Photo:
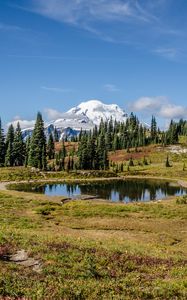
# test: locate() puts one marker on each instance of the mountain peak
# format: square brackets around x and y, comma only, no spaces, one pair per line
[85,116]
[92,102]
[95,110]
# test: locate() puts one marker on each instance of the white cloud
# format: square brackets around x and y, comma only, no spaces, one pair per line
[134,22]
[85,12]
[111,87]
[170,53]
[159,106]
[53,114]
[148,104]
[55,89]
[172,111]
[73,11]
[23,123]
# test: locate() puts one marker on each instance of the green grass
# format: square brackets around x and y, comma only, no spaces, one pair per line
[93,250]
[27,174]
[156,157]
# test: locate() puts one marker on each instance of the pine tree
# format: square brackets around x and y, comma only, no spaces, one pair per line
[64,152]
[167,162]
[37,153]
[9,158]
[51,147]
[18,147]
[153,130]
[101,152]
[27,149]
[108,139]
[56,135]
[115,145]
[44,158]
[121,167]
[131,163]
[83,153]
[145,162]
[2,146]
[68,166]
[173,133]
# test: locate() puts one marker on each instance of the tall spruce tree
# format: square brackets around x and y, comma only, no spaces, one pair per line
[102,152]
[2,146]
[64,152]
[27,150]
[37,153]
[51,147]
[153,130]
[44,158]
[56,135]
[18,147]
[9,158]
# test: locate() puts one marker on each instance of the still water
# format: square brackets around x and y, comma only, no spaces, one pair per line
[128,190]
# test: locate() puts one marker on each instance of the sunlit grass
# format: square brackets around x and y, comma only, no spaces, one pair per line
[116,251]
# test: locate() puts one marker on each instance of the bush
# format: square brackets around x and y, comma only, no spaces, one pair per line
[45,211]
[182,200]
[167,162]
[131,163]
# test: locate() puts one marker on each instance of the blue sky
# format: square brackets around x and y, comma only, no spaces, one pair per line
[55,54]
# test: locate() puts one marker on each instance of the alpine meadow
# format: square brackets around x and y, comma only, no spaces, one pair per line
[93,150]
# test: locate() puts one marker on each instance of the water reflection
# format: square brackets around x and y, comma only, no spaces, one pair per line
[124,191]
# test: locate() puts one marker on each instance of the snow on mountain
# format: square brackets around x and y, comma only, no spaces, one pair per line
[84,116]
[95,110]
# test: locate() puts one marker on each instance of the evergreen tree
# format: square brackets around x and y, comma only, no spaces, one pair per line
[167,162]
[56,135]
[44,158]
[108,140]
[153,130]
[121,167]
[37,153]
[51,147]
[131,163]
[173,133]
[64,152]
[145,162]
[2,146]
[116,143]
[83,153]
[72,163]
[9,158]
[68,166]
[27,149]
[18,147]
[101,152]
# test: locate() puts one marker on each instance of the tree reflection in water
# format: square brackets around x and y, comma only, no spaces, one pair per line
[125,191]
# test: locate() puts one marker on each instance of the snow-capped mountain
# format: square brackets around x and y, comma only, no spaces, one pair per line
[84,116]
[95,110]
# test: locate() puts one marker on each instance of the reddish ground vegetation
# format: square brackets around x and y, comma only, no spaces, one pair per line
[69,146]
[4,251]
[123,155]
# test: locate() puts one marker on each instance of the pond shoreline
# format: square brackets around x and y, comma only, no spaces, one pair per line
[4,185]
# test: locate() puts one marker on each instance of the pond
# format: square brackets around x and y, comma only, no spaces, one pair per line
[127,190]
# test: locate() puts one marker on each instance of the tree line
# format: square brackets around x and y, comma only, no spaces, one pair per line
[93,146]
[112,135]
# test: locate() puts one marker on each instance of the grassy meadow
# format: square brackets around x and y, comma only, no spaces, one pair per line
[95,249]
